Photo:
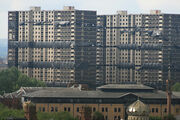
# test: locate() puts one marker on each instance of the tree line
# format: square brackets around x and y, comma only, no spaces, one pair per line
[12,79]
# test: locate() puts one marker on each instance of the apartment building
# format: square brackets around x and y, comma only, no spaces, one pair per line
[142,48]
[76,46]
[101,50]
[53,45]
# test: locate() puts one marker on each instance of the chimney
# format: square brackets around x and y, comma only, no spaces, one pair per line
[155,12]
[34,8]
[68,8]
[122,12]
[168,92]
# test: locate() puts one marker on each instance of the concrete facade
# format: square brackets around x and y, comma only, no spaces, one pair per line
[140,48]
[101,50]
[77,46]
[53,46]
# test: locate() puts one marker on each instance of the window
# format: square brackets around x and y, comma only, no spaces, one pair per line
[69,109]
[165,110]
[119,109]
[106,118]
[94,109]
[115,117]
[77,109]
[157,110]
[52,109]
[102,109]
[152,110]
[115,109]
[106,109]
[119,117]
[43,109]
[65,109]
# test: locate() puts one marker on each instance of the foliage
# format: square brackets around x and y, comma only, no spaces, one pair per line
[87,112]
[176,87]
[98,116]
[169,117]
[155,118]
[5,112]
[12,79]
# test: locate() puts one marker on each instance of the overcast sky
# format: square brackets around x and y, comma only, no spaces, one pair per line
[102,7]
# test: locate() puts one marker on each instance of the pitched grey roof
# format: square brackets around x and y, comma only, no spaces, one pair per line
[177,94]
[67,93]
[76,93]
[60,92]
[125,86]
[24,90]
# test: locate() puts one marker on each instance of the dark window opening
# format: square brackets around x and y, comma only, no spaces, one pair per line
[115,109]
[52,109]
[152,110]
[119,109]
[65,109]
[94,109]
[157,110]
[43,109]
[102,109]
[77,109]
[69,109]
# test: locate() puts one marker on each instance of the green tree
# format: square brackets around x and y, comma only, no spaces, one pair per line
[12,79]
[176,87]
[5,112]
[87,112]
[155,118]
[169,117]
[98,116]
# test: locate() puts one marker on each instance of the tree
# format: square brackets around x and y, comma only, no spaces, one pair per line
[87,112]
[5,113]
[12,79]
[169,117]
[7,79]
[98,116]
[155,118]
[176,87]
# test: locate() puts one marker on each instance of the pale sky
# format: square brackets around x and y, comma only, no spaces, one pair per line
[102,7]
